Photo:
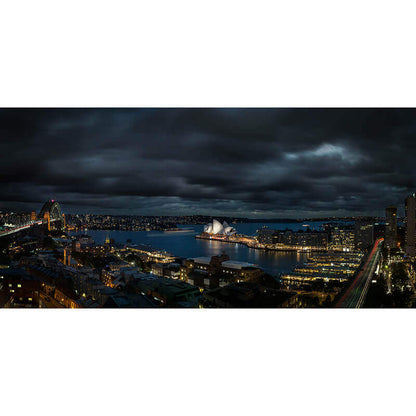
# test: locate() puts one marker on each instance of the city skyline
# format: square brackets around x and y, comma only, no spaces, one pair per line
[250,163]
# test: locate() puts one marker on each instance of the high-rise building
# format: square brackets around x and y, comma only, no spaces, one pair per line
[410,207]
[342,238]
[391,227]
[364,234]
[266,236]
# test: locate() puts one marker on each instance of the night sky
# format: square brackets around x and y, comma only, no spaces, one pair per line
[257,163]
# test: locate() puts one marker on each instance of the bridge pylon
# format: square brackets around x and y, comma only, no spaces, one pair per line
[47,217]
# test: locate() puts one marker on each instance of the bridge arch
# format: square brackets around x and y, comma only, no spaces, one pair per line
[53,208]
[52,214]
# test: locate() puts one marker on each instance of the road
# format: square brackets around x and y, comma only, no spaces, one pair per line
[23,227]
[20,228]
[355,295]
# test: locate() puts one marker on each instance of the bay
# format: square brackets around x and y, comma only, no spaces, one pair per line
[184,244]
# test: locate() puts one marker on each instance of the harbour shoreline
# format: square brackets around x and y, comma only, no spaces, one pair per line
[257,247]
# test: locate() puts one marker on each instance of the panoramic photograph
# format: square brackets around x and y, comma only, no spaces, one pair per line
[207,208]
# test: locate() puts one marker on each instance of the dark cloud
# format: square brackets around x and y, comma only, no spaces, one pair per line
[247,162]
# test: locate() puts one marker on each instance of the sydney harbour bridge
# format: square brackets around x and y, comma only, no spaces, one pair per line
[50,216]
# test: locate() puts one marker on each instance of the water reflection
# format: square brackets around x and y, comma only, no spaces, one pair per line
[185,245]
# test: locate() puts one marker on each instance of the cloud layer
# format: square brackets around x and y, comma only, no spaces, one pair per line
[243,162]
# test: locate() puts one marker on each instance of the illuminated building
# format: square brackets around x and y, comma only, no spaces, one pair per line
[217,228]
[290,240]
[22,288]
[335,257]
[303,240]
[67,298]
[342,238]
[76,246]
[108,276]
[364,235]
[171,270]
[410,210]
[157,269]
[391,227]
[329,268]
[203,280]
[152,254]
[218,268]
[67,257]
[266,236]
[96,251]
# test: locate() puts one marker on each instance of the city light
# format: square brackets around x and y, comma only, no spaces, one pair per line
[229,228]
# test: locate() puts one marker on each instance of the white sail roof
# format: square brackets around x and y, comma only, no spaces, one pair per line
[217,228]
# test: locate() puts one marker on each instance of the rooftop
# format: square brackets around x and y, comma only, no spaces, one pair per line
[202,260]
[234,264]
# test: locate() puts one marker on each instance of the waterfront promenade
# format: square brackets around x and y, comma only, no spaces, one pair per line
[252,242]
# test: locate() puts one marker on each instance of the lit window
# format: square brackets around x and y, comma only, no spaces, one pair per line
[19,285]
[10,285]
[30,299]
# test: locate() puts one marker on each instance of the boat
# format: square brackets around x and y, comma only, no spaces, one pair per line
[178,230]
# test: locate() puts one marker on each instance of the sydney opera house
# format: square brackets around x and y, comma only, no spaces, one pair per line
[219,229]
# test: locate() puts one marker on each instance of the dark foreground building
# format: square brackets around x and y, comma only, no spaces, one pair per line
[391,227]
[410,209]
[364,235]
[20,288]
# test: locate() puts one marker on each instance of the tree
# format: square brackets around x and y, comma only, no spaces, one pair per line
[327,302]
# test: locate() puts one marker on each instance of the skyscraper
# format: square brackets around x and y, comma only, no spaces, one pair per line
[342,238]
[391,227]
[410,207]
[364,234]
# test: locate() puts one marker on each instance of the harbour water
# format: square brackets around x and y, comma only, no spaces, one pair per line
[184,244]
